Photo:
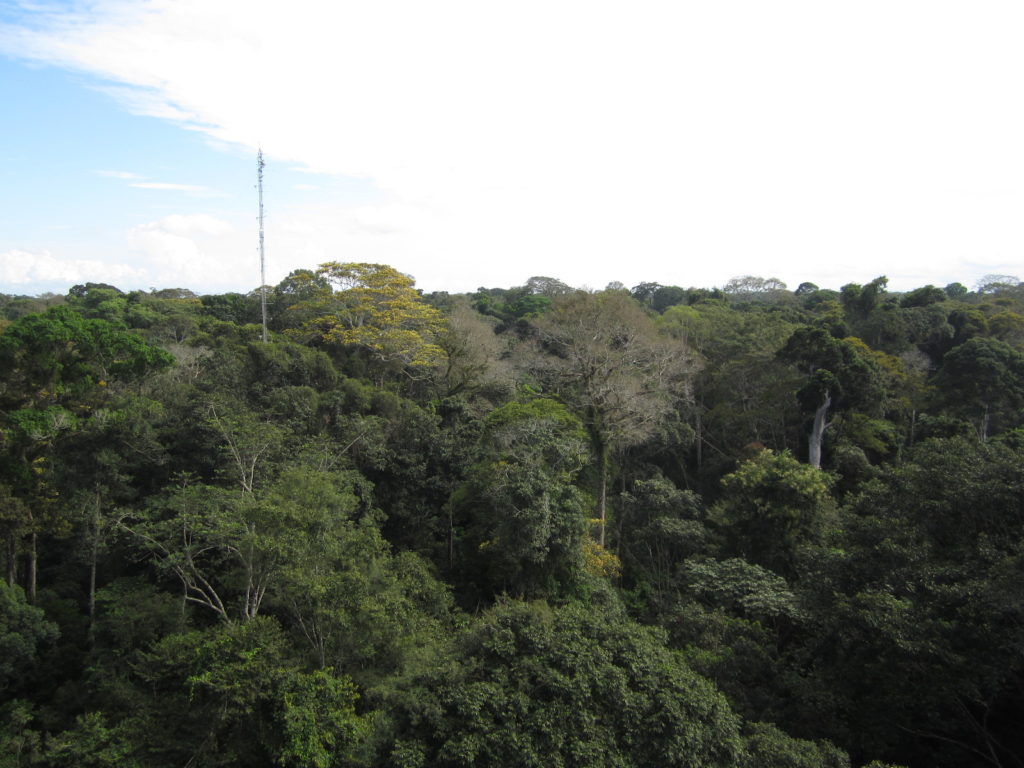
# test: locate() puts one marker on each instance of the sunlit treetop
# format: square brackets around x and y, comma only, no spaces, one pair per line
[377,308]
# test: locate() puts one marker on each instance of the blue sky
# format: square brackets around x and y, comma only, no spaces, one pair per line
[79,171]
[477,143]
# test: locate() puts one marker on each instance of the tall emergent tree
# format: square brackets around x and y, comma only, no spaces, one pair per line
[376,308]
[604,357]
[838,374]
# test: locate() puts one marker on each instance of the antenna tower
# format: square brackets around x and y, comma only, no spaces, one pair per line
[263,271]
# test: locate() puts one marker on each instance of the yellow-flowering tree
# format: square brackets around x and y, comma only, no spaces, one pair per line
[376,307]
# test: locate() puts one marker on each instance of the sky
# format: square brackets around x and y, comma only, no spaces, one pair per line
[477,143]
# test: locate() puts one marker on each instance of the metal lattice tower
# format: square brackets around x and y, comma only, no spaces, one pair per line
[263,270]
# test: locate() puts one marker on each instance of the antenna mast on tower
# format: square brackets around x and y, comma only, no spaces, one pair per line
[263,271]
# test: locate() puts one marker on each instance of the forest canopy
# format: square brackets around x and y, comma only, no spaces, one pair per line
[526,526]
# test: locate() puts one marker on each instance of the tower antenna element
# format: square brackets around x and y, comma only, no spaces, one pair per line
[263,270]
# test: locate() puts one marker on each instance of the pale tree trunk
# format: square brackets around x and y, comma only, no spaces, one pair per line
[818,432]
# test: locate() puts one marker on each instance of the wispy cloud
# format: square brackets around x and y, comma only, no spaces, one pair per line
[191,189]
[139,182]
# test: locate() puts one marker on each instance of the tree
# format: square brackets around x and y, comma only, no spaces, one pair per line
[376,308]
[838,375]
[751,288]
[23,628]
[547,286]
[805,289]
[666,296]
[742,393]
[956,290]
[528,686]
[225,548]
[526,518]
[58,355]
[233,695]
[60,371]
[771,747]
[922,297]
[358,606]
[666,526]
[603,356]
[859,301]
[918,611]
[772,506]
[985,378]
[473,353]
[997,283]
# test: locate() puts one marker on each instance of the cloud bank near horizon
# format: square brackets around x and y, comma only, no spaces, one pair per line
[679,142]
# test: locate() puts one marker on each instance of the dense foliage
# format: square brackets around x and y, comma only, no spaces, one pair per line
[532,526]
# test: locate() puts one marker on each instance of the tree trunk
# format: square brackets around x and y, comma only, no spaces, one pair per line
[700,439]
[94,555]
[451,538]
[12,560]
[818,432]
[602,492]
[92,586]
[32,559]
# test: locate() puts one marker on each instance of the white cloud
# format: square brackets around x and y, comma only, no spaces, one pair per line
[19,267]
[193,224]
[125,175]
[679,142]
[191,250]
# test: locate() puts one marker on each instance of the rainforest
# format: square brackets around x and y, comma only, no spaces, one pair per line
[531,526]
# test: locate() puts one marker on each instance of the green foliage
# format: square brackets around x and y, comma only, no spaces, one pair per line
[772,748]
[840,368]
[772,507]
[59,358]
[231,551]
[92,743]
[357,607]
[20,743]
[318,719]
[922,297]
[666,526]
[531,685]
[741,588]
[984,378]
[23,628]
[919,612]
[231,696]
[525,517]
